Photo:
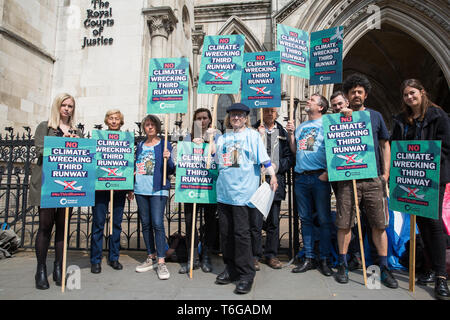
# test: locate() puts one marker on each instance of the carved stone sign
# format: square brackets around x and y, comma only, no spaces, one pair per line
[98,17]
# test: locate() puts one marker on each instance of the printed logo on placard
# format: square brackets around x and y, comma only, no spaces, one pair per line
[261,103]
[166,105]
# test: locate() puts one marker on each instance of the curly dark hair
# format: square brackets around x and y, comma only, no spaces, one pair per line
[356,80]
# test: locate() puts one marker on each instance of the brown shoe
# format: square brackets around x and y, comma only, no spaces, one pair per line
[257,268]
[274,263]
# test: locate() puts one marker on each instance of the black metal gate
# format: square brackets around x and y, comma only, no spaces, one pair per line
[17,156]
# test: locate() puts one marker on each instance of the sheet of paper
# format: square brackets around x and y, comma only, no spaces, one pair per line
[262,199]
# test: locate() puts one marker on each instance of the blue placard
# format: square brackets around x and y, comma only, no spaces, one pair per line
[294,47]
[221,64]
[261,80]
[68,172]
[168,85]
[326,56]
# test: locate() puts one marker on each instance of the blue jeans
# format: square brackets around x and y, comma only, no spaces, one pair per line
[151,214]
[98,224]
[312,193]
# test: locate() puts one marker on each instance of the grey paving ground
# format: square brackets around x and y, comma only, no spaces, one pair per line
[17,282]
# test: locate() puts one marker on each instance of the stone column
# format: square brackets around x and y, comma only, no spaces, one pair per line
[197,41]
[161,22]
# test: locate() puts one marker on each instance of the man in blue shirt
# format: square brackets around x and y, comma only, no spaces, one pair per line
[312,189]
[371,192]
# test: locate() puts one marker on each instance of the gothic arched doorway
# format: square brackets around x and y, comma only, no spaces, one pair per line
[387,57]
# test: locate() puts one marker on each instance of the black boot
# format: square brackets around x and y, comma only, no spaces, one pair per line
[57,273]
[206,261]
[441,291]
[185,268]
[41,277]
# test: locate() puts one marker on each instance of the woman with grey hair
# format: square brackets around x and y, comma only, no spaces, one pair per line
[114,120]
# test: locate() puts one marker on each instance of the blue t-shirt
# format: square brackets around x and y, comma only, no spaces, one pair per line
[310,145]
[145,166]
[239,156]
[379,132]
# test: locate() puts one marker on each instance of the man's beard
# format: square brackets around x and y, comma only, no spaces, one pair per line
[356,104]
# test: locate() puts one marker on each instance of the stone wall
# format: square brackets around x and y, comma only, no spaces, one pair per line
[27,44]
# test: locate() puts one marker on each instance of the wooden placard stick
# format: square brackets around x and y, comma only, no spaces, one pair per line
[291,99]
[412,253]
[166,130]
[361,244]
[111,212]
[263,177]
[194,217]
[66,224]
[213,126]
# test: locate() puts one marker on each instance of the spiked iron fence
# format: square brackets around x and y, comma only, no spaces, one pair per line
[17,157]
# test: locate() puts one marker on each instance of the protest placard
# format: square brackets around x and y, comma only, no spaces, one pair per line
[349,146]
[221,64]
[114,160]
[350,155]
[168,85]
[261,80]
[167,91]
[326,56]
[414,186]
[68,179]
[194,182]
[293,45]
[68,172]
[414,177]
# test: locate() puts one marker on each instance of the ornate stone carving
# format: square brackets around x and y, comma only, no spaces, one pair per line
[161,21]
[225,10]
[287,11]
[197,39]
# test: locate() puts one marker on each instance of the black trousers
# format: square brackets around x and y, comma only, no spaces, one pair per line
[236,243]
[272,227]
[209,235]
[433,235]
[256,224]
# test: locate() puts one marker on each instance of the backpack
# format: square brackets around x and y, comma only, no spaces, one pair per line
[177,251]
[9,242]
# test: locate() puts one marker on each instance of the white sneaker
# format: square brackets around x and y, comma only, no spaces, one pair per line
[148,265]
[163,272]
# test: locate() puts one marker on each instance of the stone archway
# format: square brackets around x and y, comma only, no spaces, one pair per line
[424,27]
[234,25]
[389,56]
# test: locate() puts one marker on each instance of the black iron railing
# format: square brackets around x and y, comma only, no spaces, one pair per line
[17,156]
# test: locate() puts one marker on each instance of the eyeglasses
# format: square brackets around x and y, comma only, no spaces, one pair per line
[237,115]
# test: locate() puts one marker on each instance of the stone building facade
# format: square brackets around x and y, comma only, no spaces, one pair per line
[99,51]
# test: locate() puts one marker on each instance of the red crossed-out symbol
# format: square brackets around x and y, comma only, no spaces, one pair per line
[112,171]
[261,90]
[219,75]
[69,185]
[412,192]
[350,158]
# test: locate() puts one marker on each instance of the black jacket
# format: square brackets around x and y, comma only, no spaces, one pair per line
[286,160]
[436,126]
